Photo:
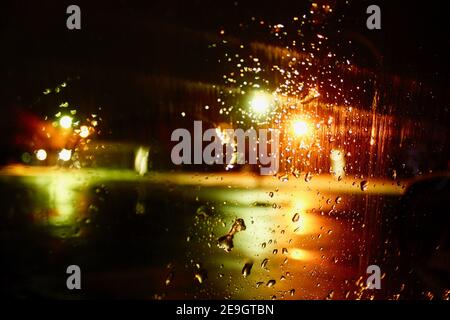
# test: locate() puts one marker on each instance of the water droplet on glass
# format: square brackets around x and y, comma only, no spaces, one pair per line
[169,278]
[247,269]
[364,185]
[264,263]
[238,225]
[296,173]
[330,295]
[202,212]
[200,276]
[226,242]
[308,177]
[296,217]
[271,283]
[292,292]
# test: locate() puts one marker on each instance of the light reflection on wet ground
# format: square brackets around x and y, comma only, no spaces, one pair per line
[129,233]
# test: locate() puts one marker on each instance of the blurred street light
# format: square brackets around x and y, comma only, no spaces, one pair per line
[300,128]
[65,122]
[41,154]
[65,155]
[261,102]
[84,131]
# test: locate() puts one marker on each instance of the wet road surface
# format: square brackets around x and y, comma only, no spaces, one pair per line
[156,237]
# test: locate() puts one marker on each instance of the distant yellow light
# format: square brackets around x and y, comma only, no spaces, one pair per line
[84,131]
[65,122]
[141,160]
[300,127]
[65,155]
[41,154]
[301,254]
[261,102]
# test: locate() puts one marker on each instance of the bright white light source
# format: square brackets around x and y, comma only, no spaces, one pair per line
[65,155]
[41,154]
[261,102]
[65,122]
[300,127]
[84,131]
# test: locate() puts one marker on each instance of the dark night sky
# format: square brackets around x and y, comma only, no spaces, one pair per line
[414,39]
[120,39]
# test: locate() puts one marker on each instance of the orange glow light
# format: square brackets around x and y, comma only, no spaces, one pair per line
[300,128]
